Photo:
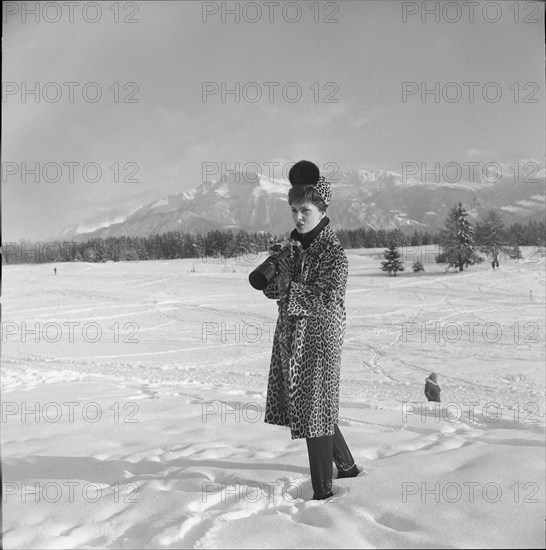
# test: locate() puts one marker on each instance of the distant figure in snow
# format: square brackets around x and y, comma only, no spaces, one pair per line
[55,270]
[493,264]
[432,389]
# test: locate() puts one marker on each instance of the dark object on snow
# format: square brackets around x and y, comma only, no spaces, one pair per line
[432,389]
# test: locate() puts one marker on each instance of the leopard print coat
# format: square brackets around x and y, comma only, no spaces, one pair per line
[303,385]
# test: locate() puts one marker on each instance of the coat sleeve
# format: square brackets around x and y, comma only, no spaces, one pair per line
[306,299]
[272,290]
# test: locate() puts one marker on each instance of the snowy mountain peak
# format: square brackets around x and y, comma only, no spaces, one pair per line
[368,176]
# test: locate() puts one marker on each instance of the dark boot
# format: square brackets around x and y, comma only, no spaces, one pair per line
[343,458]
[320,451]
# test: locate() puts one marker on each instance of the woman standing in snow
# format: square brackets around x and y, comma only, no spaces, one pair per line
[303,385]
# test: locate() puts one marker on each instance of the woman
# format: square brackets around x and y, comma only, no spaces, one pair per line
[303,386]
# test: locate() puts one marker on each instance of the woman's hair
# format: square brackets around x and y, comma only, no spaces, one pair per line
[304,173]
[299,194]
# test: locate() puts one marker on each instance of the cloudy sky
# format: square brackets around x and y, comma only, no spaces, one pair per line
[154,128]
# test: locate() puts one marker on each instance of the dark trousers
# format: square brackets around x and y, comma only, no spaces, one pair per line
[322,452]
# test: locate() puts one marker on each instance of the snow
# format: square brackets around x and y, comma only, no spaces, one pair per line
[367,176]
[222,191]
[90,227]
[161,202]
[179,456]
[515,209]
[271,185]
[531,204]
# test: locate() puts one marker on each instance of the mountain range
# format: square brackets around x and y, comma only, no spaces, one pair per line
[378,199]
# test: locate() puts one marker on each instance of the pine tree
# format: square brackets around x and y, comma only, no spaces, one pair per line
[458,239]
[518,243]
[491,235]
[391,264]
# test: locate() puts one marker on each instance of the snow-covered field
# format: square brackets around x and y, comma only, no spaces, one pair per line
[133,416]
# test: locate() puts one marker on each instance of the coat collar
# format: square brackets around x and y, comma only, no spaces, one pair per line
[307,238]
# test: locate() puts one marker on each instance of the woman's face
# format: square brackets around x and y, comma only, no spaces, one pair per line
[306,216]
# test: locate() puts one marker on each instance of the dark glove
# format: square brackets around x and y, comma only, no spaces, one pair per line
[283,277]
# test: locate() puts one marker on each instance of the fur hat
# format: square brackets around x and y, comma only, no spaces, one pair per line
[324,189]
[304,173]
[307,173]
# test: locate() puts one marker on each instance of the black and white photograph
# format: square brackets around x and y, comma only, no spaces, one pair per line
[273,274]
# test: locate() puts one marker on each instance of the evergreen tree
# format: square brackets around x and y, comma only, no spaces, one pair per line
[491,235]
[391,264]
[415,238]
[200,245]
[96,250]
[417,266]
[458,239]
[518,243]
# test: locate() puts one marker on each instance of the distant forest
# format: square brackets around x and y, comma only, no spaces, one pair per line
[227,244]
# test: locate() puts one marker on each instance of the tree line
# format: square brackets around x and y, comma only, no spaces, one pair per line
[458,240]
[463,245]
